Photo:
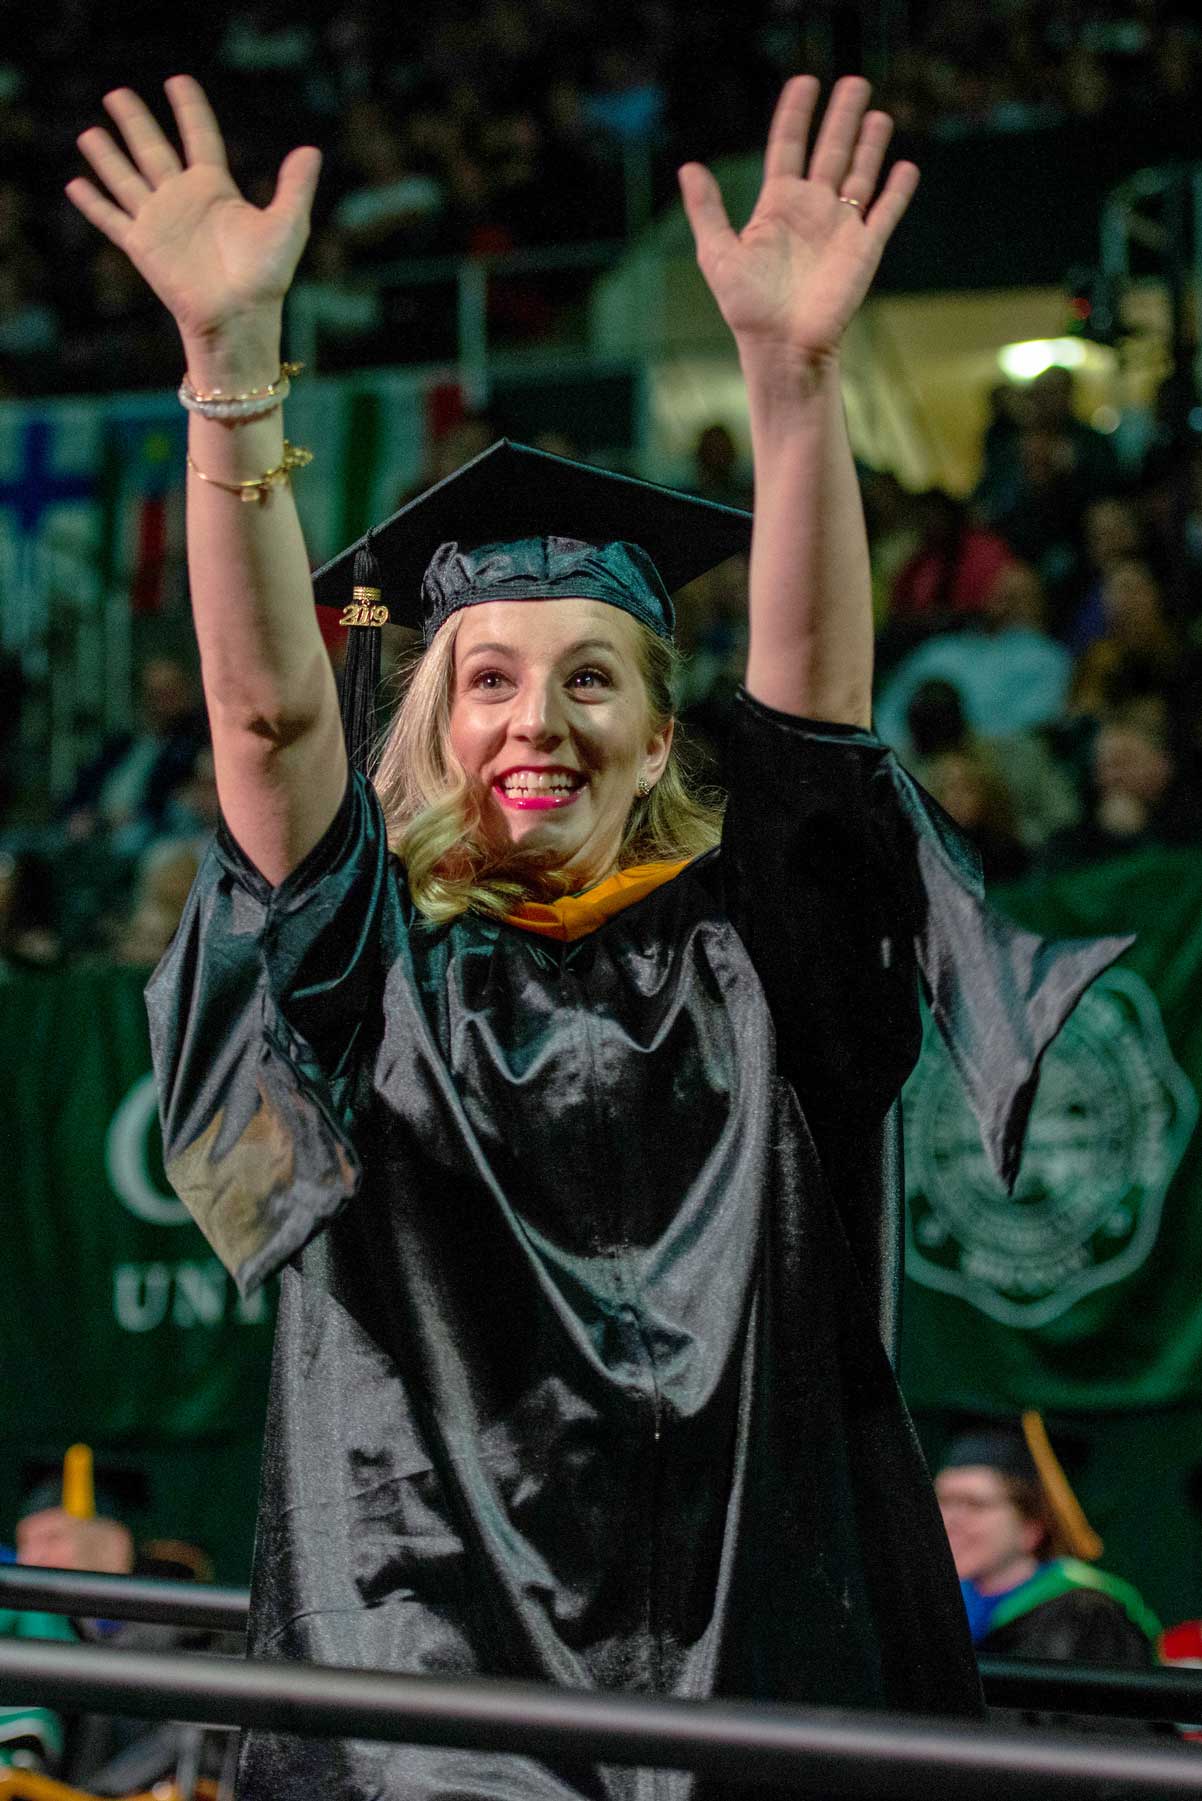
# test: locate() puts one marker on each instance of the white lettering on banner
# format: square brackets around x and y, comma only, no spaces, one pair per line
[125,1159]
[140,1292]
[148,1295]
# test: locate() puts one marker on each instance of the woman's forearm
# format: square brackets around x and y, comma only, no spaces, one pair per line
[810,649]
[249,574]
[222,268]
[267,678]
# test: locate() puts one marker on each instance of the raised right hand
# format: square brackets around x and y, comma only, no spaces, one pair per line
[216,261]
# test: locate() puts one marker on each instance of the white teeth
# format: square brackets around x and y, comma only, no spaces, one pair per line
[531,781]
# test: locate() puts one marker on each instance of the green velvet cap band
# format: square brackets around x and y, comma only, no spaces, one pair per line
[551,568]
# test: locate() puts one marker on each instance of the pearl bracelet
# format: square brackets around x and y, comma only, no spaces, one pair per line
[250,405]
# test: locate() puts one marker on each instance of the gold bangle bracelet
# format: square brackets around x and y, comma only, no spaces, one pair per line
[258,487]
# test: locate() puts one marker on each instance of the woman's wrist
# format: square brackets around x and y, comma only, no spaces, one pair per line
[786,368]
[239,359]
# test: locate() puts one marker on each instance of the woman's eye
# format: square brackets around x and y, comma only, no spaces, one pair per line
[488,679]
[591,678]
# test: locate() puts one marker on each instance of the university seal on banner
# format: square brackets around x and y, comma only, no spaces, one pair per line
[1112,1117]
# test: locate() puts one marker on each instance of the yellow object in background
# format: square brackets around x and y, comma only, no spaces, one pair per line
[79,1487]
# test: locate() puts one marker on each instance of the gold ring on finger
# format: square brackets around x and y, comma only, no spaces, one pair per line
[846,200]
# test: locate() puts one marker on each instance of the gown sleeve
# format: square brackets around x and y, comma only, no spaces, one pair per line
[818,885]
[848,883]
[844,877]
[255,1012]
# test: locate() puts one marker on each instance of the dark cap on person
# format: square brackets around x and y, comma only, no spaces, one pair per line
[119,1489]
[996,1447]
[519,524]
[1022,1449]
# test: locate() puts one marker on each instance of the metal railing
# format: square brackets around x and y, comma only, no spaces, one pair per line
[766,1746]
[1042,1687]
[85,1594]
[808,1750]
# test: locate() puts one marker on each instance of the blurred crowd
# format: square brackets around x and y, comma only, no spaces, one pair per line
[475,128]
[1039,643]
[1039,669]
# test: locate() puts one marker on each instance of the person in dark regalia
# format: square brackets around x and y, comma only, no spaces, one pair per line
[565,1113]
[1027,1559]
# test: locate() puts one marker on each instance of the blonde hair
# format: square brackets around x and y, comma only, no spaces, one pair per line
[434,813]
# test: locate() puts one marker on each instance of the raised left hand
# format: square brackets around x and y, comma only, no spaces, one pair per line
[794,277]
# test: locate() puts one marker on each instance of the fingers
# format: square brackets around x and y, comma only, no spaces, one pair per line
[100,212]
[839,133]
[145,141]
[130,182]
[705,210]
[887,211]
[199,131]
[860,181]
[790,129]
[296,184]
[114,168]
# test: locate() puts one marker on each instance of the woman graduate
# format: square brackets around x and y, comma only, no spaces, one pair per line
[558,1118]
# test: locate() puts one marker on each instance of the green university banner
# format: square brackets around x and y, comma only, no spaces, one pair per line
[1081,1291]
[118,1321]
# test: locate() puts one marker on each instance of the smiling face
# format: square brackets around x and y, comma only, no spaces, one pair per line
[549,713]
[993,1544]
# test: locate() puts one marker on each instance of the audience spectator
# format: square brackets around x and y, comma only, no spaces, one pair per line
[1041,793]
[1009,414]
[388,198]
[972,790]
[107,1754]
[167,867]
[1010,674]
[123,792]
[889,514]
[50,1538]
[717,472]
[1026,1558]
[946,580]
[1112,534]
[1139,648]
[1039,482]
[1143,791]
[160,893]
[1052,402]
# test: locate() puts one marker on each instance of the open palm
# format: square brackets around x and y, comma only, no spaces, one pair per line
[797,272]
[208,254]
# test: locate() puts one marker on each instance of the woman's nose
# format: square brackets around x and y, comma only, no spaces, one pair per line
[538,716]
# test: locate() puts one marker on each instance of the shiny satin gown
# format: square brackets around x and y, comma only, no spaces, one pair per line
[577,1376]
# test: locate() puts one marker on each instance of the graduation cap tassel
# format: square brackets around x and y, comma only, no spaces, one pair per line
[361,671]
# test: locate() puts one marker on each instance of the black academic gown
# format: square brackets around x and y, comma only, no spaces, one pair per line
[576,1376]
[1084,1626]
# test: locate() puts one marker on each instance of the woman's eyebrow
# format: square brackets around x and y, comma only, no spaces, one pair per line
[573,650]
[502,650]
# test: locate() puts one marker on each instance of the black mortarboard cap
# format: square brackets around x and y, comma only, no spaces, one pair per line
[119,1489]
[522,524]
[994,1446]
[1022,1448]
